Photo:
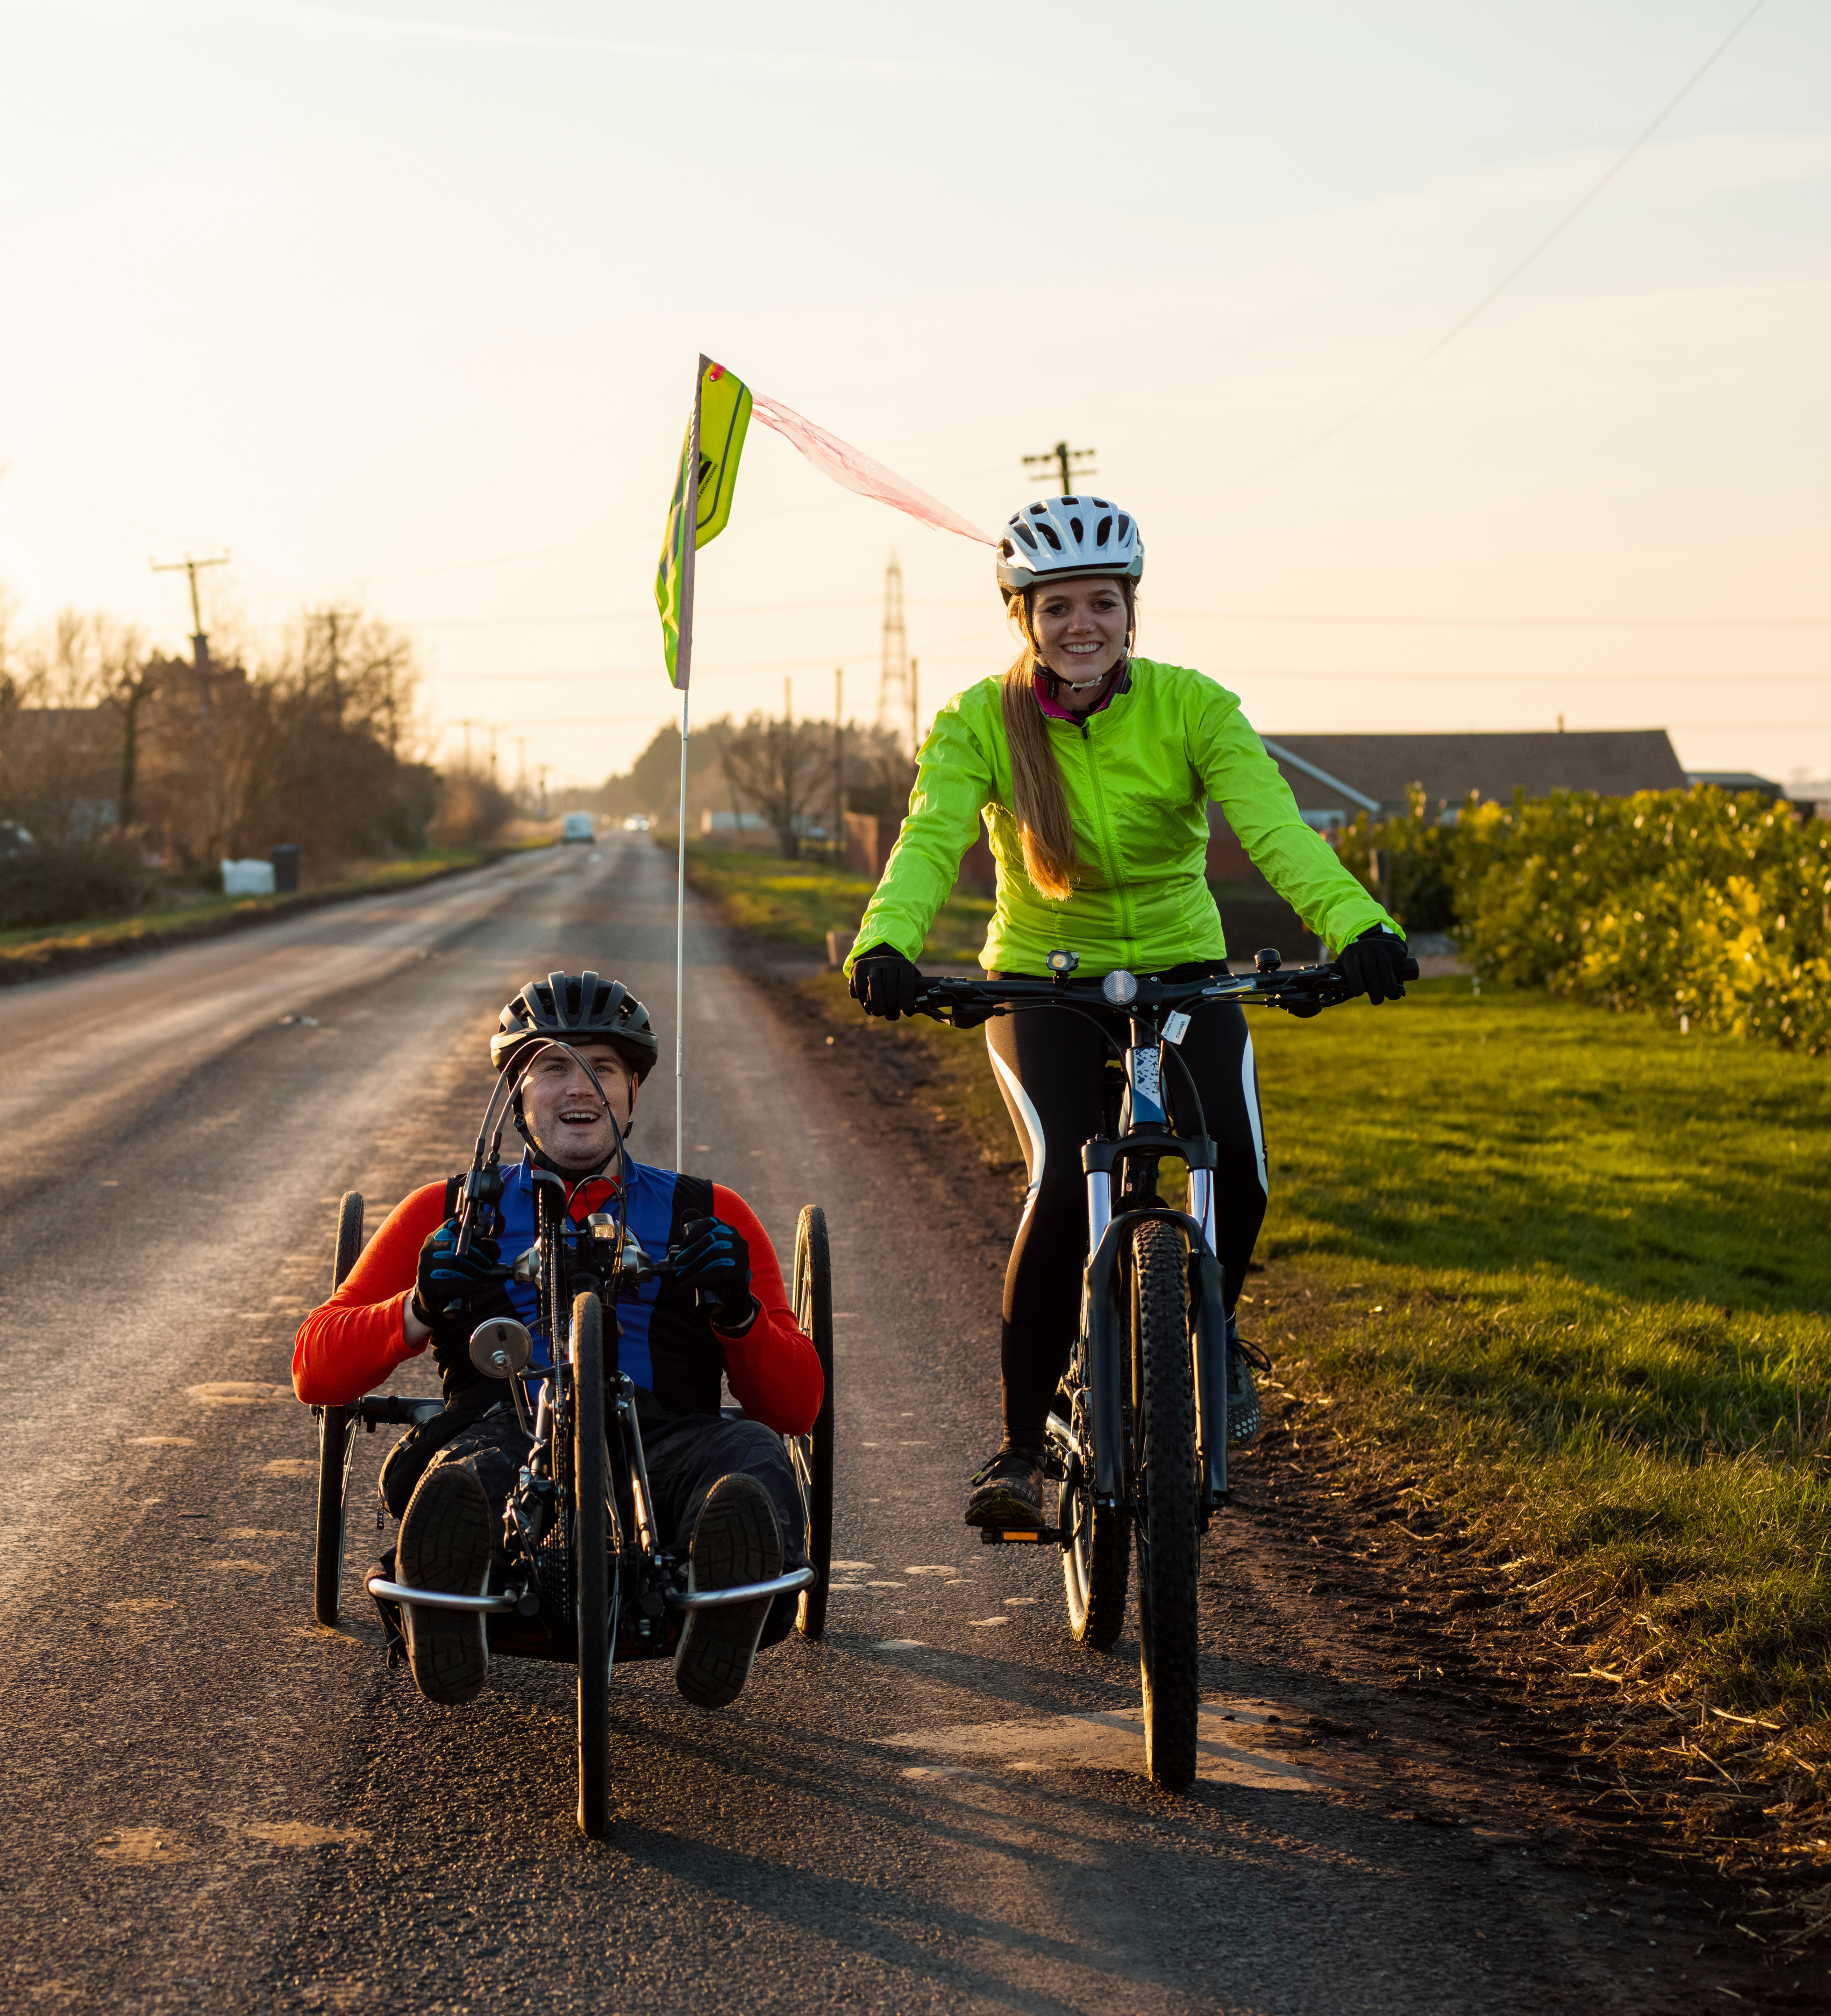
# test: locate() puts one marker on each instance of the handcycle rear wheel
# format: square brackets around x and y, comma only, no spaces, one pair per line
[811,1454]
[591,1545]
[1096,1559]
[1168,1529]
[336,1441]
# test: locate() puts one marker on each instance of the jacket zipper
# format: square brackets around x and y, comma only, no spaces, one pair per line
[1109,847]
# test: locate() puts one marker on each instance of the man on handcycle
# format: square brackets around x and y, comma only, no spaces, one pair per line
[724,1492]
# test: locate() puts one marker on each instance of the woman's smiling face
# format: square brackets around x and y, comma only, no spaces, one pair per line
[1079,629]
[565,1115]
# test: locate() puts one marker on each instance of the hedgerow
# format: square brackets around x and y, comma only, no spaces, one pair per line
[1702,907]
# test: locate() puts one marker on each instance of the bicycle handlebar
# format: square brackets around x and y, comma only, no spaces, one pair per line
[1302,989]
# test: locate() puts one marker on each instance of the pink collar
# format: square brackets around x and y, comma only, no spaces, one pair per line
[1056,711]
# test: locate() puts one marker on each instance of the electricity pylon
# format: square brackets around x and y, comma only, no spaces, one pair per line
[893,683]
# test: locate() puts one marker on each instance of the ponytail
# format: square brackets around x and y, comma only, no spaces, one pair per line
[1041,802]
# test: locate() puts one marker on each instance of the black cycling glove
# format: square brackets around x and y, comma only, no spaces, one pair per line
[450,1288]
[1375,964]
[884,983]
[713,1258]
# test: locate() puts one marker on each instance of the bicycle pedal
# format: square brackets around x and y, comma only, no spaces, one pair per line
[1020,1536]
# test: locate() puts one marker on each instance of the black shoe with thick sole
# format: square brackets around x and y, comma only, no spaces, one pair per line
[736,1540]
[1007,1491]
[1243,1418]
[444,1545]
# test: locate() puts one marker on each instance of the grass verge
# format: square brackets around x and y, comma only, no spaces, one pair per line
[1572,1274]
[32,954]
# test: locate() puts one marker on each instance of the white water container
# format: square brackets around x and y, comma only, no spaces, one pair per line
[247,878]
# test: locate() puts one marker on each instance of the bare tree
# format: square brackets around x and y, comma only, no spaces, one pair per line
[783,769]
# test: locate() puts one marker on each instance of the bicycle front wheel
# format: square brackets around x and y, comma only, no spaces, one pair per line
[1168,1525]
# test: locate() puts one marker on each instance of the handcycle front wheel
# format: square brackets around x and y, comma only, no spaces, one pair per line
[1168,1524]
[336,1441]
[811,1454]
[592,1577]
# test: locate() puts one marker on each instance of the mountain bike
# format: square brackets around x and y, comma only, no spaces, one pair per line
[1138,1440]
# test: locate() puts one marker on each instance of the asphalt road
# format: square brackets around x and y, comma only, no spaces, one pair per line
[209,1803]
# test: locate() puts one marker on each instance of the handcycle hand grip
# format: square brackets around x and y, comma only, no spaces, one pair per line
[1411,971]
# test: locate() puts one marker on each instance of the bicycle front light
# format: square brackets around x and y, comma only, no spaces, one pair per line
[1120,987]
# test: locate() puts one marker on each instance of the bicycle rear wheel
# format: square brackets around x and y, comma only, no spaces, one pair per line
[590,1541]
[1096,1558]
[811,1454]
[1169,1535]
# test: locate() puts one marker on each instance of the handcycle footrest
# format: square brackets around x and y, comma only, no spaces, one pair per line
[1022,1536]
[438,1598]
[746,1591]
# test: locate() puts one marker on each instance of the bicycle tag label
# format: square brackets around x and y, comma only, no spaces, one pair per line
[1175,1027]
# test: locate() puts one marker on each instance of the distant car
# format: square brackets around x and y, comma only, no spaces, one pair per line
[579,825]
[636,822]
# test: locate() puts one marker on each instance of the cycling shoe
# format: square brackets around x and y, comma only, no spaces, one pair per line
[444,1545]
[736,1540]
[1007,1491]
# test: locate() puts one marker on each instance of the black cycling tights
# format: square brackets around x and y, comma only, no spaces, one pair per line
[1048,1063]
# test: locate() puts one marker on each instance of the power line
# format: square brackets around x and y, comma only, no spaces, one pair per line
[1493,293]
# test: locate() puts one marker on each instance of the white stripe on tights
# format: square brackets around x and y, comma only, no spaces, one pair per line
[1032,1125]
[1250,1085]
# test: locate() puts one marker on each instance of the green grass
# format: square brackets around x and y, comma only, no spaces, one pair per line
[1580,1267]
[800,902]
[1571,1272]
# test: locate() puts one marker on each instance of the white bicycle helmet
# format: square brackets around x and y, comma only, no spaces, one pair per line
[1066,538]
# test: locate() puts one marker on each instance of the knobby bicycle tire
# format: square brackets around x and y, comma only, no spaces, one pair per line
[590,1541]
[337,1443]
[1096,1563]
[813,1452]
[1169,1534]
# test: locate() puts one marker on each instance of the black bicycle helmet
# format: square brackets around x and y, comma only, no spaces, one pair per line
[575,1011]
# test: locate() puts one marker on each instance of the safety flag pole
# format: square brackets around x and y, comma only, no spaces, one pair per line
[682,672]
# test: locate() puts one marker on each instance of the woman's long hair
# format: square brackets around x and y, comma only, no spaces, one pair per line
[1041,807]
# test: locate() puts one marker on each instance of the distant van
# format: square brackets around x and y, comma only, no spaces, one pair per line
[579,825]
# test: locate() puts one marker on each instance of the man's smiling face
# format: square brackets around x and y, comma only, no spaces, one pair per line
[565,1115]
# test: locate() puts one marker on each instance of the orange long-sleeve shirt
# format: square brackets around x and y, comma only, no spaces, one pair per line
[349,1346]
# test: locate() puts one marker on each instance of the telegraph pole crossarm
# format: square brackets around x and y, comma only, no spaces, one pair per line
[1064,457]
[199,639]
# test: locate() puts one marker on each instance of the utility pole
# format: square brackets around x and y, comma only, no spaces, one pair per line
[467,726]
[543,771]
[839,768]
[199,641]
[494,732]
[521,768]
[892,678]
[914,714]
[1062,455]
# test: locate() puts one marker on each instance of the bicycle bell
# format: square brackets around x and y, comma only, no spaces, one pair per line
[501,1347]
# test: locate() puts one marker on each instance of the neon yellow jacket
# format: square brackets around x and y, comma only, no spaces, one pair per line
[1138,775]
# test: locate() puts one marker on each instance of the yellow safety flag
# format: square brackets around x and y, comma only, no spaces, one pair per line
[714,441]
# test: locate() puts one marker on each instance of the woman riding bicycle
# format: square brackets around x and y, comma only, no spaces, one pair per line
[1092,769]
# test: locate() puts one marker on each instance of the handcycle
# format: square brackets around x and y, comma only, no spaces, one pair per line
[1137,1441]
[589,1582]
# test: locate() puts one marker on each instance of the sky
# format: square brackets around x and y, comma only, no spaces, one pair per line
[399,305]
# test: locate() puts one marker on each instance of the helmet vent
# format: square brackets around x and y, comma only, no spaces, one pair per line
[1049,532]
[1124,527]
[1074,527]
[1025,534]
[1071,500]
[1103,531]
[1039,510]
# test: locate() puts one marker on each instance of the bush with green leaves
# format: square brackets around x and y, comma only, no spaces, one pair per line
[1701,906]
